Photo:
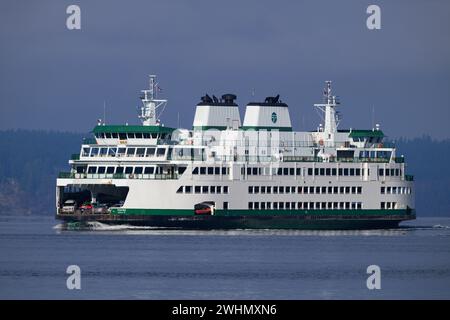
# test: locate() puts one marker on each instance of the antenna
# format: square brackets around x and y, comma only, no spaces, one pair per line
[373,117]
[150,104]
[329,114]
[104,111]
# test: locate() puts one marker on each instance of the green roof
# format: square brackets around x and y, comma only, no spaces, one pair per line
[131,129]
[366,134]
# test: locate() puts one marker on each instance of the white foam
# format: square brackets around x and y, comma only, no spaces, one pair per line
[440,226]
[59,226]
[98,226]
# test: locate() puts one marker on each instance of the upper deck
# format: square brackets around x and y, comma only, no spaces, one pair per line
[218,136]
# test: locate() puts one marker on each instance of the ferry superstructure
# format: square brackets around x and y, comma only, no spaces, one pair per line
[224,173]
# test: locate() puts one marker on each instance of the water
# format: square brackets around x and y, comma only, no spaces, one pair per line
[127,263]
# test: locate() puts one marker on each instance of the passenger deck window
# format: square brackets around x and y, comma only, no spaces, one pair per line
[121,151]
[149,170]
[140,152]
[150,152]
[130,152]
[160,152]
[85,152]
[94,152]
[112,152]
[119,170]
[122,136]
[128,170]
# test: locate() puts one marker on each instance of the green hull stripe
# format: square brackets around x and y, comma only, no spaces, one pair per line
[267,128]
[243,128]
[220,128]
[243,212]
[125,129]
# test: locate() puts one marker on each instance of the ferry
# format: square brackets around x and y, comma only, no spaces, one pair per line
[224,173]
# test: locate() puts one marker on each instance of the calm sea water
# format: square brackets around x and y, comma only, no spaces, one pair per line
[124,263]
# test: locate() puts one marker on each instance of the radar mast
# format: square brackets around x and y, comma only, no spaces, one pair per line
[329,114]
[150,104]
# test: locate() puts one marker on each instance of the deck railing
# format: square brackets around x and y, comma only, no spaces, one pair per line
[333,159]
[72,175]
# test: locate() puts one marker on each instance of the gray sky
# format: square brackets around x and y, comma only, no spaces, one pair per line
[53,78]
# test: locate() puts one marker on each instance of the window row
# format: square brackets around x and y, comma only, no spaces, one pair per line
[131,135]
[395,190]
[304,205]
[203,189]
[260,171]
[125,170]
[388,205]
[123,152]
[211,170]
[257,171]
[374,154]
[304,190]
[389,172]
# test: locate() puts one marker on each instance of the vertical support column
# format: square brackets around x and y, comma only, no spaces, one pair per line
[93,197]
